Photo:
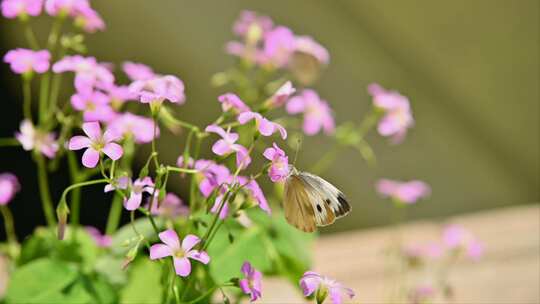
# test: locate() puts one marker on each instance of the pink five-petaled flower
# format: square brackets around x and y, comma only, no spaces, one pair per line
[457,237]
[256,192]
[95,105]
[265,126]
[158,89]
[180,252]
[317,112]
[130,125]
[95,142]
[251,283]
[279,44]
[230,101]
[35,139]
[403,192]
[398,115]
[227,144]
[279,170]
[21,8]
[89,20]
[89,73]
[25,61]
[138,71]
[9,186]
[65,7]
[281,95]
[313,282]
[170,207]
[249,20]
[137,188]
[101,240]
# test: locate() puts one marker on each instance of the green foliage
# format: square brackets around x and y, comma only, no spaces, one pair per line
[144,282]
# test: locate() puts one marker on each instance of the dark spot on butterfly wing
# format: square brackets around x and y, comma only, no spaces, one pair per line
[344,206]
[319,208]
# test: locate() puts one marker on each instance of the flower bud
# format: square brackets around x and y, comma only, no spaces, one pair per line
[62,212]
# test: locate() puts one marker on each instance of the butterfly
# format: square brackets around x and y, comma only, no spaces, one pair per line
[310,201]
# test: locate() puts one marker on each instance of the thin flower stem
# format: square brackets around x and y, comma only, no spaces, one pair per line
[44,191]
[82,184]
[76,195]
[55,32]
[7,142]
[8,224]
[27,98]
[43,94]
[115,213]
[181,170]
[30,36]
[208,293]
[55,90]
[193,181]
[154,152]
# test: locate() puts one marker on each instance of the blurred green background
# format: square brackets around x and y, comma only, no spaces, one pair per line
[470,68]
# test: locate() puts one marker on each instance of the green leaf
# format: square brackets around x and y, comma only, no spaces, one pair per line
[40,281]
[144,283]
[111,268]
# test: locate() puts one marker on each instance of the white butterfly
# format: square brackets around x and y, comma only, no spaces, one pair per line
[310,201]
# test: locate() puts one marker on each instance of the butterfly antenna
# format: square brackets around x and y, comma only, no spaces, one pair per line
[298,145]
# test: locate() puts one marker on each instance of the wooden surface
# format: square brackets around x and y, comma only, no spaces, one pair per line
[509,271]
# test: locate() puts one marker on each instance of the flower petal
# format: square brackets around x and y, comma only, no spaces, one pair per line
[79,142]
[182,266]
[200,256]
[189,241]
[159,251]
[133,202]
[170,237]
[92,129]
[113,150]
[266,127]
[90,158]
[221,147]
[247,116]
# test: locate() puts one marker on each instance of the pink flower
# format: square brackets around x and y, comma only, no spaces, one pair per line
[159,89]
[432,250]
[281,95]
[457,237]
[213,176]
[251,283]
[265,126]
[119,95]
[24,61]
[101,240]
[89,73]
[249,20]
[95,143]
[171,207]
[256,193]
[138,71]
[317,112]
[279,44]
[21,8]
[130,125]
[118,183]
[137,188]
[306,45]
[9,186]
[89,20]
[32,138]
[279,170]
[403,192]
[250,53]
[230,101]
[398,115]
[65,7]
[94,105]
[227,144]
[312,281]
[421,294]
[224,212]
[181,252]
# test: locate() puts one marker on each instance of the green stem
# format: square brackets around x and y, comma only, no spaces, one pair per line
[115,214]
[43,94]
[154,151]
[324,162]
[6,142]
[208,293]
[76,194]
[181,170]
[55,90]
[27,99]
[30,36]
[81,184]
[8,224]
[193,181]
[44,191]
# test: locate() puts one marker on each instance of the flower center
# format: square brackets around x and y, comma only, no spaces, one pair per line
[98,144]
[179,253]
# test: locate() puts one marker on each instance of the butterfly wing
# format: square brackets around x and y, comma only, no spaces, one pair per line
[298,209]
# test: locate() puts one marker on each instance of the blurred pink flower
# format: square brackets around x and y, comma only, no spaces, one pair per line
[212,175]
[171,207]
[421,294]
[89,20]
[279,169]
[21,8]
[121,182]
[137,188]
[307,45]
[224,212]
[230,101]
[255,192]
[281,95]
[94,105]
[265,126]
[250,53]
[9,186]
[130,125]
[35,139]
[65,7]
[227,144]
[95,143]
[312,282]
[251,284]
[101,240]
[279,44]
[431,250]
[89,73]
[24,61]
[317,112]
[158,89]
[398,115]
[250,19]
[457,237]
[138,71]
[181,252]
[403,192]
[119,95]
